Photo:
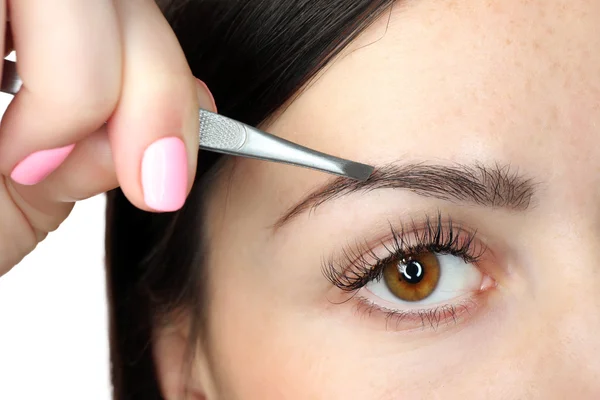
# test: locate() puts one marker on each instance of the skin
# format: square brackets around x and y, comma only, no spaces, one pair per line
[513,82]
[114,82]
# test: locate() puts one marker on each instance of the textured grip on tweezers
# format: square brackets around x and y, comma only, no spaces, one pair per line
[224,135]
[220,133]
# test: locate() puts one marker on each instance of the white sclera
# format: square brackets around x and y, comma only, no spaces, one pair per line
[457,278]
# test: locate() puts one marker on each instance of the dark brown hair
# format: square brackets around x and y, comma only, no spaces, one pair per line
[255,56]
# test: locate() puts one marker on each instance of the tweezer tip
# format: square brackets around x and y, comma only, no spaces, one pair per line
[358,171]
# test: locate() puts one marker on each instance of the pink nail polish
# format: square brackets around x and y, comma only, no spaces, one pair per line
[37,166]
[165,174]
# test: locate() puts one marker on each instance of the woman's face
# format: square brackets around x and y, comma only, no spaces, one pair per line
[469,266]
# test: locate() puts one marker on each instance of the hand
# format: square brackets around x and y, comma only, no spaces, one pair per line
[107,100]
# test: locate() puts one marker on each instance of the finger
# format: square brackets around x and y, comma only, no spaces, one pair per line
[88,171]
[69,58]
[154,131]
[3,29]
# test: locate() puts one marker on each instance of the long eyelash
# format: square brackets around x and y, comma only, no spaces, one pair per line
[359,266]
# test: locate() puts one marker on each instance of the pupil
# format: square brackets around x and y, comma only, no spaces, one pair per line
[413,272]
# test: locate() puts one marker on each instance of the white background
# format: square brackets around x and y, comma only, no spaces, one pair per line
[53,316]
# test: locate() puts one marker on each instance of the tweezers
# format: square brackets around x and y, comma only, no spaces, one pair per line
[228,136]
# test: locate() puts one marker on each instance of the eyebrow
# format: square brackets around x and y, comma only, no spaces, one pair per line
[495,186]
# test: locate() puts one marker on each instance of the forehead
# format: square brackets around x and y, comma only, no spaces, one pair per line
[513,82]
[469,72]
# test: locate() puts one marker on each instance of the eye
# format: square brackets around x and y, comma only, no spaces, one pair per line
[428,274]
[425,278]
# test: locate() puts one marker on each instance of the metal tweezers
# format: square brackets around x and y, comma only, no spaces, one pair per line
[225,135]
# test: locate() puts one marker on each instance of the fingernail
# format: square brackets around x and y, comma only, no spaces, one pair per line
[165,174]
[205,97]
[37,166]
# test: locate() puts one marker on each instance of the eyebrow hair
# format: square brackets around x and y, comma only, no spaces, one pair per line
[495,186]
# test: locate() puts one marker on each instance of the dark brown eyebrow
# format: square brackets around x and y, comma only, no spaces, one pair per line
[493,186]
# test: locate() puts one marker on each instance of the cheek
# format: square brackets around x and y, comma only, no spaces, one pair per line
[265,348]
[263,352]
[262,347]
[254,358]
[271,359]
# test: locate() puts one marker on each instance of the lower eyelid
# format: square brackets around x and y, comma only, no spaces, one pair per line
[407,306]
[436,318]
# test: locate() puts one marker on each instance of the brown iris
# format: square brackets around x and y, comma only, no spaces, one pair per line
[413,278]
